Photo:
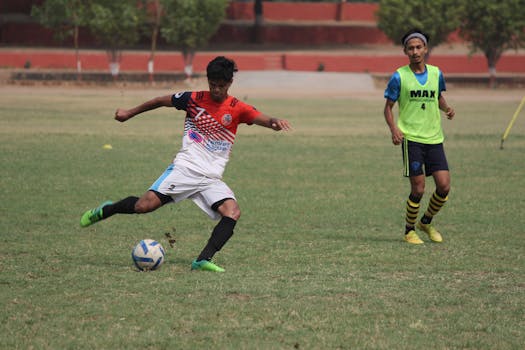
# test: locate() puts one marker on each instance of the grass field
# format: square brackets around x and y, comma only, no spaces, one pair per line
[317,260]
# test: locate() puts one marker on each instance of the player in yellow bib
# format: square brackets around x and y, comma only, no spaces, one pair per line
[417,88]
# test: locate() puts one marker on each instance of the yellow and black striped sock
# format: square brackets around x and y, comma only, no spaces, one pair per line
[436,202]
[412,210]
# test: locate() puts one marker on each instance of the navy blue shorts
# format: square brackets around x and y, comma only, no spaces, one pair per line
[420,158]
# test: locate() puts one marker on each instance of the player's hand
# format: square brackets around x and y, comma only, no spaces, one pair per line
[450,112]
[397,136]
[280,124]
[122,115]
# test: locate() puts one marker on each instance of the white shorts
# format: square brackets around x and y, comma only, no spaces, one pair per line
[182,183]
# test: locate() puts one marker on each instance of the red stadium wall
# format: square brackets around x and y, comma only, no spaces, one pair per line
[288,23]
[306,11]
[304,23]
[302,35]
[299,61]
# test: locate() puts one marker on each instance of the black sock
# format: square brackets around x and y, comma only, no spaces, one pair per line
[437,201]
[414,198]
[426,219]
[412,210]
[124,206]
[220,235]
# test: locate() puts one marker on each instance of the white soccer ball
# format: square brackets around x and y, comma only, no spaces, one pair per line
[148,254]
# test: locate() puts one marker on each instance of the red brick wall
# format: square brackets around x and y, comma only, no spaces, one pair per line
[304,61]
[307,11]
[275,31]
[306,34]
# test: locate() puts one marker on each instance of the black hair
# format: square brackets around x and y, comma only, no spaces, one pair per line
[221,68]
[412,31]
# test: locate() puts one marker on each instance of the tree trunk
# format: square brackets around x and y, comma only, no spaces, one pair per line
[492,77]
[151,68]
[258,24]
[493,57]
[188,55]
[77,53]
[339,14]
[114,56]
[154,36]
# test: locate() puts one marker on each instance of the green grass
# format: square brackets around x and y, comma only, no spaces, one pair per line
[317,260]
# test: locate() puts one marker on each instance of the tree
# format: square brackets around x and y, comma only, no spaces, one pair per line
[154,11]
[116,24]
[437,18]
[190,23]
[493,27]
[65,17]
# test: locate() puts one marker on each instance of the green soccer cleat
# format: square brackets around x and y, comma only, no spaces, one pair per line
[432,233]
[93,215]
[205,265]
[413,238]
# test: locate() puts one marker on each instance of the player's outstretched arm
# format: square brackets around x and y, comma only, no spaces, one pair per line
[272,123]
[124,114]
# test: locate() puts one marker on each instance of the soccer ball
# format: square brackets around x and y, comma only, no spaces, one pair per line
[147,255]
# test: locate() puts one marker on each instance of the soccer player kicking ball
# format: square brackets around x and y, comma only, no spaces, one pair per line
[210,126]
[418,87]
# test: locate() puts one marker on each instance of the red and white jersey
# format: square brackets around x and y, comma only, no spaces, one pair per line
[209,130]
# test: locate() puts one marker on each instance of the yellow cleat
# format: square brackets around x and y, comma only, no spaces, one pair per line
[413,238]
[432,233]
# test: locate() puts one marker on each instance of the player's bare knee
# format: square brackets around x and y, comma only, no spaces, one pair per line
[139,208]
[230,209]
[142,207]
[235,214]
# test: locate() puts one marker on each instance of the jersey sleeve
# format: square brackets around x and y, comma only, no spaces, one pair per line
[393,87]
[247,113]
[180,100]
[442,85]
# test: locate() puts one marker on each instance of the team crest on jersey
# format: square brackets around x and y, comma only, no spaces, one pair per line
[226,119]
[194,136]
